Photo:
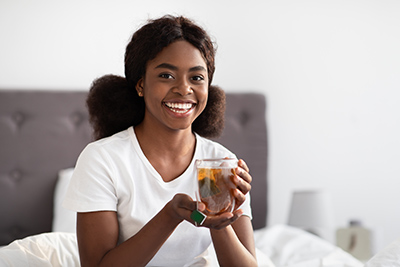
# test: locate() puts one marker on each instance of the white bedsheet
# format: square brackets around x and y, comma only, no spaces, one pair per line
[287,246]
[44,250]
[387,257]
[277,246]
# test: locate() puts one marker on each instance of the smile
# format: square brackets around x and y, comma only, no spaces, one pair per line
[179,107]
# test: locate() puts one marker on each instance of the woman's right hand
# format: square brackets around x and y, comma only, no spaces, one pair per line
[183,205]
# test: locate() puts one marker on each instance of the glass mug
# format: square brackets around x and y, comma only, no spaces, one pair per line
[214,177]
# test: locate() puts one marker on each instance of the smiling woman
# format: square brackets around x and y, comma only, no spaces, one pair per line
[177,77]
[134,188]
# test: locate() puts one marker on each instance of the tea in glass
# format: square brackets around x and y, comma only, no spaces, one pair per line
[214,178]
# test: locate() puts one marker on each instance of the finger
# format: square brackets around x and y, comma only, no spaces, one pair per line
[243,174]
[240,197]
[238,213]
[219,222]
[185,207]
[243,184]
[242,164]
[193,212]
[223,220]
[201,206]
[185,202]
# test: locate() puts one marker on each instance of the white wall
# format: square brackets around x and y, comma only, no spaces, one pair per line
[330,71]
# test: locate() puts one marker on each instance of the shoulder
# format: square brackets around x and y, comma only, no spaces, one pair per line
[116,143]
[118,139]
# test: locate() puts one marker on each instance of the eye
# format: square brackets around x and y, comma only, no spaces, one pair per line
[166,76]
[198,78]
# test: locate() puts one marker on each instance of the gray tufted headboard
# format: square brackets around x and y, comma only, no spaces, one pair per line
[42,132]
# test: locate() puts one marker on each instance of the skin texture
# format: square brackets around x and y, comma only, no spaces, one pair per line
[177,75]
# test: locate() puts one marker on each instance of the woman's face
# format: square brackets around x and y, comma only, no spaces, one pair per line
[175,87]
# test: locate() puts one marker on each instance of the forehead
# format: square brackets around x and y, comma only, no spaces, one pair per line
[181,54]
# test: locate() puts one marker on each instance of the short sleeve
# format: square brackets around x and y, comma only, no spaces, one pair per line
[92,187]
[246,207]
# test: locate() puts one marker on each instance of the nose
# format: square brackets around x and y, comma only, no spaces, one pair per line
[183,87]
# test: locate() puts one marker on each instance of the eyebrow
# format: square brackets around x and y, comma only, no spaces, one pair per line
[172,67]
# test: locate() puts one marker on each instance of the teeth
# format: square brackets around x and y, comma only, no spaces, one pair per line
[179,105]
[179,110]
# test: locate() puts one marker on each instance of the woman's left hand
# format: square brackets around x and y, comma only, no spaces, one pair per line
[242,180]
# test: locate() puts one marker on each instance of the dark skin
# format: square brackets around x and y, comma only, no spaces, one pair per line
[175,90]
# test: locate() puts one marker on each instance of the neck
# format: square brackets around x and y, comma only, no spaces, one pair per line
[165,141]
[167,148]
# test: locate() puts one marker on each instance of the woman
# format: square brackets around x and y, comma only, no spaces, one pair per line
[134,187]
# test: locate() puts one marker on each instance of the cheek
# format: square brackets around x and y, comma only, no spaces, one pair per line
[203,97]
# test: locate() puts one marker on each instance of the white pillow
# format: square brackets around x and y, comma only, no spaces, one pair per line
[43,250]
[64,220]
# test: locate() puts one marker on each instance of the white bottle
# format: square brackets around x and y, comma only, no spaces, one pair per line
[356,240]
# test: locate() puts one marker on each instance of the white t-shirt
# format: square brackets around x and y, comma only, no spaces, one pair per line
[113,174]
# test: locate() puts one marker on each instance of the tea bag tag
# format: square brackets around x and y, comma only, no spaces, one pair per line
[197,216]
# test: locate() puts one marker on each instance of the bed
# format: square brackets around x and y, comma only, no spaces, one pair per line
[41,136]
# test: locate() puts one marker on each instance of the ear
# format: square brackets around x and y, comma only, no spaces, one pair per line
[139,87]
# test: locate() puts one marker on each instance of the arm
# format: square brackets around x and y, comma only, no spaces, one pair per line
[97,234]
[234,244]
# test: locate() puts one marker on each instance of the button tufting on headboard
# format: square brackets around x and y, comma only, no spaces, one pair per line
[77,118]
[15,120]
[41,132]
[18,117]
[16,176]
[243,117]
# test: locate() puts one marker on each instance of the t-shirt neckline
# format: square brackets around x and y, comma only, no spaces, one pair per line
[152,170]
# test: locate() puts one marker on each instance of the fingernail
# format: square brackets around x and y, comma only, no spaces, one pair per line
[238,170]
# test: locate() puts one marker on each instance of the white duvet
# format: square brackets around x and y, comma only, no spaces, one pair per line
[277,246]
[44,250]
[291,247]
[388,257]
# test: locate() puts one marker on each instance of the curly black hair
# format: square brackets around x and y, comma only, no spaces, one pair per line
[114,107]
[113,102]
[149,40]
